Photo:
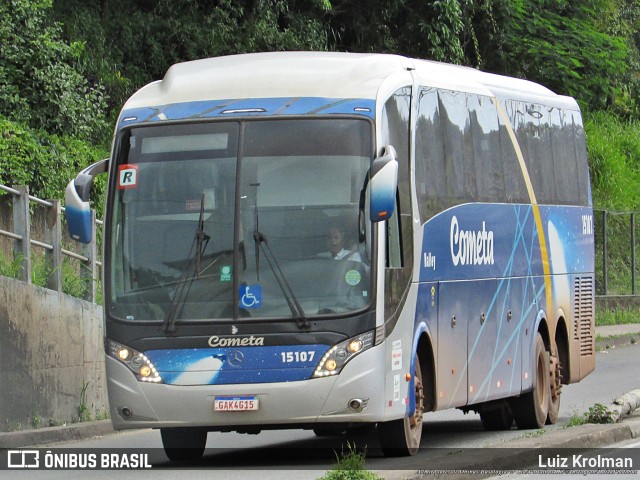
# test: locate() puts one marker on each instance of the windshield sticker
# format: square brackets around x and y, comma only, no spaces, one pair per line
[225,273]
[192,205]
[353,277]
[251,296]
[127,176]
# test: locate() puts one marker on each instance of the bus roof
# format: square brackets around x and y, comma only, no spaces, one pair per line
[321,74]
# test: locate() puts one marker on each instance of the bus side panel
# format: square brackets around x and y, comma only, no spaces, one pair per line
[497,320]
[453,321]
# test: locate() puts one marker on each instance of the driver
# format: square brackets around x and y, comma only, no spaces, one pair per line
[336,246]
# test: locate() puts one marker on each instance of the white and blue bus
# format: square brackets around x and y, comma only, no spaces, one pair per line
[340,242]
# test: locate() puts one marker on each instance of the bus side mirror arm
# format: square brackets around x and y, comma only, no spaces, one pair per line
[76,198]
[383,185]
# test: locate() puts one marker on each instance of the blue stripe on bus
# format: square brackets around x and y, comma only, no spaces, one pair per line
[222,366]
[240,107]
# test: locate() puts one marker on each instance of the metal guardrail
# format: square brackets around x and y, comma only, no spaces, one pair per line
[52,243]
[616,247]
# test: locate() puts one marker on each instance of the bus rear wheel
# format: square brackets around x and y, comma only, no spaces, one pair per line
[400,438]
[183,444]
[530,410]
[555,383]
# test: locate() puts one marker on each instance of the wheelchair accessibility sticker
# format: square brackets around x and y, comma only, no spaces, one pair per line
[251,296]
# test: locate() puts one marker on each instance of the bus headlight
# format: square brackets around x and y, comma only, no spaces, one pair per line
[137,362]
[339,355]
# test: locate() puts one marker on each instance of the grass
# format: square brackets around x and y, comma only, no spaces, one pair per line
[73,283]
[534,433]
[617,316]
[350,466]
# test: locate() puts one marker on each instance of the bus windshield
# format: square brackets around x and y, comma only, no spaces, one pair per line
[259,219]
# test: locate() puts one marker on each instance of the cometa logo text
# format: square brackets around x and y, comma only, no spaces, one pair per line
[251,341]
[470,247]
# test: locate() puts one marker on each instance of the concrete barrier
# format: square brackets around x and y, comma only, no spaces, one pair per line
[51,358]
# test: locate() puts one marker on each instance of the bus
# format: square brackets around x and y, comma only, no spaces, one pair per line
[342,243]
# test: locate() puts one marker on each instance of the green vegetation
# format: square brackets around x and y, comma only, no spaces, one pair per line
[350,466]
[67,66]
[533,433]
[72,282]
[614,156]
[575,420]
[597,413]
[617,316]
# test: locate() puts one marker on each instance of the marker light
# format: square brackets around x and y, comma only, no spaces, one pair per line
[137,362]
[339,355]
[123,354]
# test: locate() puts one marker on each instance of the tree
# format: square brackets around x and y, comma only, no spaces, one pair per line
[558,43]
[38,83]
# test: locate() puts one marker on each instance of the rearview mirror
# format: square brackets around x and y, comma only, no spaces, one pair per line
[76,198]
[383,185]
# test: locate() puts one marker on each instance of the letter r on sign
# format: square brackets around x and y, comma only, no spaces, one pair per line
[127,176]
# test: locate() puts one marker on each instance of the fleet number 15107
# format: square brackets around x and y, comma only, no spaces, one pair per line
[297,357]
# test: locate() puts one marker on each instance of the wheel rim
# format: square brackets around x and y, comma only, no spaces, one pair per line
[540,390]
[542,394]
[414,423]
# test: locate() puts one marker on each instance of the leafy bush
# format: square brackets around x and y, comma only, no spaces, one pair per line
[39,85]
[599,413]
[560,44]
[614,151]
[43,161]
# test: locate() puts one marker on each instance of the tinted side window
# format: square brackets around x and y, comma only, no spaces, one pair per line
[580,145]
[463,153]
[431,173]
[515,187]
[487,161]
[458,153]
[552,148]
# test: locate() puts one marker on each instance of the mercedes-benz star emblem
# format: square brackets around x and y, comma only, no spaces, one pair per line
[235,358]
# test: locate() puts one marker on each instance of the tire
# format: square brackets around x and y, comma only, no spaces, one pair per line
[555,370]
[401,438]
[183,444]
[500,418]
[531,409]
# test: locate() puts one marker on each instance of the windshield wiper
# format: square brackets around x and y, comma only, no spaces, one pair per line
[201,239]
[190,271]
[290,297]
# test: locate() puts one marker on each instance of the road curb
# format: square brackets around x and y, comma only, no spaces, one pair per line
[43,436]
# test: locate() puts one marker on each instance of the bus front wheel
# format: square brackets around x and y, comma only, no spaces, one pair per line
[530,410]
[402,437]
[183,444]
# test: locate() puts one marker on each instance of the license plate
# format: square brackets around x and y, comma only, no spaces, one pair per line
[235,404]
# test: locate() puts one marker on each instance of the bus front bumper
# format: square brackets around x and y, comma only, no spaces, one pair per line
[353,396]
